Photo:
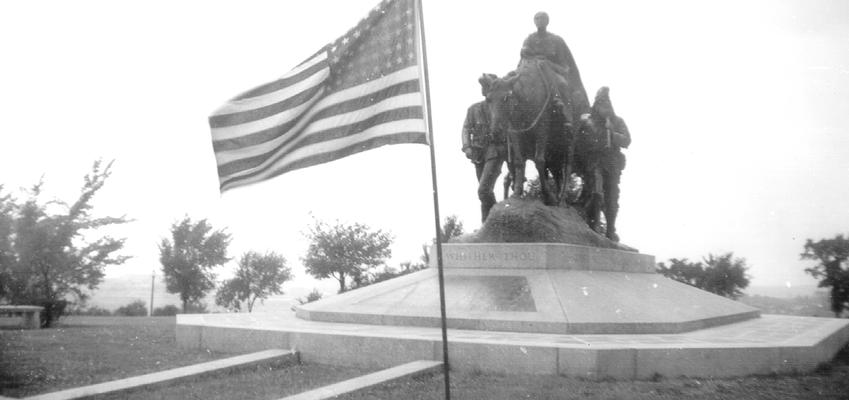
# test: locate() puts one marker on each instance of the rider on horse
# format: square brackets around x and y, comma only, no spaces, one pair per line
[562,68]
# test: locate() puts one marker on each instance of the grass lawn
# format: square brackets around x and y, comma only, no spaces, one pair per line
[246,384]
[86,350]
[829,382]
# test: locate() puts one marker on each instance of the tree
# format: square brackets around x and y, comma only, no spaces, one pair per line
[258,276]
[682,270]
[189,258]
[452,227]
[345,251]
[137,308]
[166,311]
[50,252]
[832,270]
[723,275]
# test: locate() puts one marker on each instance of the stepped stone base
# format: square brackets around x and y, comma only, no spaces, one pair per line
[766,345]
[535,309]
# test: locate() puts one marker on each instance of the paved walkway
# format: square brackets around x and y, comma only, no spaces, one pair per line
[169,375]
[362,382]
[769,330]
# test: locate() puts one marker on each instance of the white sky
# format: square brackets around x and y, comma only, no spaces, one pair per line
[738,112]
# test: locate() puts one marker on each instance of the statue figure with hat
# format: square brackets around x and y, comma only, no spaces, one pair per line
[486,150]
[602,136]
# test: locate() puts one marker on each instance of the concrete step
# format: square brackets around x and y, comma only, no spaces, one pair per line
[376,378]
[156,378]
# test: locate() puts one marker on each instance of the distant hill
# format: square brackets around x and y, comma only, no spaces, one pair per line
[783,292]
[118,291]
[817,305]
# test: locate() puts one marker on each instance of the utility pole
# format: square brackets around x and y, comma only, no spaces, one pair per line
[152,282]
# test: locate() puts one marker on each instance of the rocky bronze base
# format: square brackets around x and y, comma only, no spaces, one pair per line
[530,221]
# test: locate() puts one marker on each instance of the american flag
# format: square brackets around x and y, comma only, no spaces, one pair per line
[357,93]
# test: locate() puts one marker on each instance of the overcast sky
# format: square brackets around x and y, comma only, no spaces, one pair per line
[739,113]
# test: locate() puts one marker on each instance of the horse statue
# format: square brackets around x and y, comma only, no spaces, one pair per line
[524,105]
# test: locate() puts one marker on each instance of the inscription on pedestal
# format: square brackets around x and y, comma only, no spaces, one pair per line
[489,256]
[543,256]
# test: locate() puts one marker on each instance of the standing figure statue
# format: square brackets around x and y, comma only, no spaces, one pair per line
[546,45]
[602,136]
[486,150]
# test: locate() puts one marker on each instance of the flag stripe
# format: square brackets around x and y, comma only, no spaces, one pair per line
[250,162]
[289,116]
[283,158]
[220,121]
[368,99]
[306,68]
[343,121]
[268,99]
[249,128]
[312,157]
[396,138]
[351,105]
[312,125]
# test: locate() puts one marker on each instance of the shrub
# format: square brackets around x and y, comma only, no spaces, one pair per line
[166,311]
[311,297]
[137,308]
[95,311]
[196,308]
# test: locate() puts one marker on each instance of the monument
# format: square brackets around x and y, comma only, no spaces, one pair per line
[544,286]
[540,266]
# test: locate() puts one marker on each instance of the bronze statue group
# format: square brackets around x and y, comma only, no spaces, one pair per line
[541,112]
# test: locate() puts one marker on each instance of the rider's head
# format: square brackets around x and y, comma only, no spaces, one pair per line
[602,104]
[541,20]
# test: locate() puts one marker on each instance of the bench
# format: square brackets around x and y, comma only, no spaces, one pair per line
[31,314]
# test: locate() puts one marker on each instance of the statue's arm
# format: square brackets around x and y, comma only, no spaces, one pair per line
[468,125]
[621,136]
[527,49]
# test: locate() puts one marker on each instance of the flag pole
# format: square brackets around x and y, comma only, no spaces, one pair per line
[422,49]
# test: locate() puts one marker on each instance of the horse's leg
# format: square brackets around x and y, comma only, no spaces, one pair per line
[508,180]
[565,177]
[517,160]
[518,179]
[560,182]
[568,161]
[539,162]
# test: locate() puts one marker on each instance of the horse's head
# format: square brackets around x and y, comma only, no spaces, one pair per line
[500,100]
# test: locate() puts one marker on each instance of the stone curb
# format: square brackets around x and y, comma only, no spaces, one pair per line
[362,382]
[267,356]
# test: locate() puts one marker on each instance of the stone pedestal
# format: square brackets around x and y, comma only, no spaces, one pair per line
[31,315]
[535,288]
